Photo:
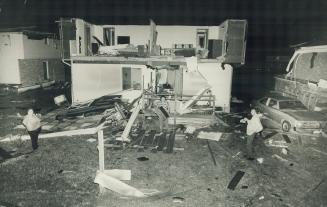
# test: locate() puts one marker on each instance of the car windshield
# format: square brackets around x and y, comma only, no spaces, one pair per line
[291,105]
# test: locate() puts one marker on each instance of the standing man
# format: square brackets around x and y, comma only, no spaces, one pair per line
[32,123]
[163,113]
[254,126]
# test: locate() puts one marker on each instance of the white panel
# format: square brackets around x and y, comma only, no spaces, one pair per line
[213,33]
[11,49]
[91,81]
[220,81]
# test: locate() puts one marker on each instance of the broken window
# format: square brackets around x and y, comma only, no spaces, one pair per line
[273,104]
[263,101]
[123,39]
[202,38]
[109,36]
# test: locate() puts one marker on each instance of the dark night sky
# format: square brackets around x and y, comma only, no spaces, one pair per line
[273,25]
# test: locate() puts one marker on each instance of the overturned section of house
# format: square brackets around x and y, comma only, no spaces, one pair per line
[112,59]
[29,59]
[306,79]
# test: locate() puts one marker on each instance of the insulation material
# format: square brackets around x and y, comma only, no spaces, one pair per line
[311,66]
[91,81]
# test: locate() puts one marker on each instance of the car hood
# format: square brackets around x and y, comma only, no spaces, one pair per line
[304,115]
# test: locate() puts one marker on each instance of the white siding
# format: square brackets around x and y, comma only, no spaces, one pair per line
[11,49]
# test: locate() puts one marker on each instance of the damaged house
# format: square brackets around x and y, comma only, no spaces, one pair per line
[29,59]
[110,59]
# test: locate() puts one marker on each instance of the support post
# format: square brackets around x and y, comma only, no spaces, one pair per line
[101,155]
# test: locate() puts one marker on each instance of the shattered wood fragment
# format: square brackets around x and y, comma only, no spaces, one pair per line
[117,186]
[236,179]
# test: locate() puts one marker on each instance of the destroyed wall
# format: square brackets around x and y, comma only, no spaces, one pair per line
[167,35]
[41,48]
[32,71]
[11,49]
[311,66]
[93,80]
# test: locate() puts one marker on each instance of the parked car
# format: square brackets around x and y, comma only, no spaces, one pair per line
[290,114]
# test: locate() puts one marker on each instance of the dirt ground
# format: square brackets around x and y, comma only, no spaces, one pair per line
[61,172]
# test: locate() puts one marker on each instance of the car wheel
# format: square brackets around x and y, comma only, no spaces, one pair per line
[286,126]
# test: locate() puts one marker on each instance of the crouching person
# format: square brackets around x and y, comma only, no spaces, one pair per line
[32,123]
[254,127]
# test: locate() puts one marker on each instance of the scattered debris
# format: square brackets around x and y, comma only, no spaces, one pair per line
[279,158]
[275,143]
[317,186]
[286,138]
[177,199]
[245,187]
[260,160]
[91,140]
[236,100]
[117,186]
[189,130]
[19,126]
[142,158]
[237,131]
[316,150]
[284,151]
[215,136]
[237,154]
[211,153]
[236,179]
[261,197]
[4,154]
[60,100]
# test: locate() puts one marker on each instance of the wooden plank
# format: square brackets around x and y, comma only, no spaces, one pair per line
[125,135]
[236,179]
[56,134]
[211,153]
[117,186]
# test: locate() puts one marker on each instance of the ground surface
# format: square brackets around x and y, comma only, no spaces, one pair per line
[62,170]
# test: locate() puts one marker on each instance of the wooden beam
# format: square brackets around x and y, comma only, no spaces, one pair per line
[75,132]
[125,134]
